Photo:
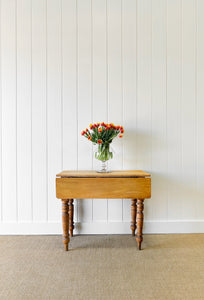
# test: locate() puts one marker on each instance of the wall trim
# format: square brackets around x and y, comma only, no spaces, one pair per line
[150,227]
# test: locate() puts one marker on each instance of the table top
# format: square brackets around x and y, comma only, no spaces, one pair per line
[113,174]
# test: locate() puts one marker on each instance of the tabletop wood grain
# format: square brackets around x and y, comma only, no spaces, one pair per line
[113,174]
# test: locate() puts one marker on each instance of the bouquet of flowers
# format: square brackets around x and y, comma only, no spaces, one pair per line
[103,135]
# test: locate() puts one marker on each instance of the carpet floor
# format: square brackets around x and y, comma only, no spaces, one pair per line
[101,267]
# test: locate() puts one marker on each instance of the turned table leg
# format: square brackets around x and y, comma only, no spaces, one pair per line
[71,213]
[65,223]
[140,207]
[133,215]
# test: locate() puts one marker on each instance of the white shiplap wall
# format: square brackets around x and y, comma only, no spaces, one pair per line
[67,63]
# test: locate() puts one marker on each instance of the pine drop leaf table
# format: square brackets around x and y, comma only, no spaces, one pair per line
[133,184]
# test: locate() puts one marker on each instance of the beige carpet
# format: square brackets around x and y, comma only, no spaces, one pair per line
[102,267]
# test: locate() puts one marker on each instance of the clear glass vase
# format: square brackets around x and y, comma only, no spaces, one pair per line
[103,154]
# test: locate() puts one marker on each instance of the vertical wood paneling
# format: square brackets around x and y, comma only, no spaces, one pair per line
[67,63]
[39,152]
[144,90]
[200,109]
[69,81]
[69,87]
[115,96]
[174,108]
[84,96]
[54,102]
[159,117]
[129,91]
[8,68]
[99,84]
[24,110]
[188,108]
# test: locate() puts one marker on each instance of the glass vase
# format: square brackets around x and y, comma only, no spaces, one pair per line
[103,154]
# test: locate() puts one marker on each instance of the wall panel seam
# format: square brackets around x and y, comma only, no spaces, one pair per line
[151,136]
[31,99]
[122,88]
[166,80]
[62,99]
[91,25]
[107,77]
[46,71]
[77,84]
[181,84]
[1,216]
[16,37]
[136,74]
[196,99]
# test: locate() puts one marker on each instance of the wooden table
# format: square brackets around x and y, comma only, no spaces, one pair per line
[134,185]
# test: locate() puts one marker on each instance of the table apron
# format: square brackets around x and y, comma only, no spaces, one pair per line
[79,188]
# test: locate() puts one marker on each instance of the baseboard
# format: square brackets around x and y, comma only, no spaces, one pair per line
[150,227]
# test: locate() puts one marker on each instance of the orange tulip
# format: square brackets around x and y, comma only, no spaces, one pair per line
[99,129]
[120,135]
[89,138]
[100,142]
[91,126]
